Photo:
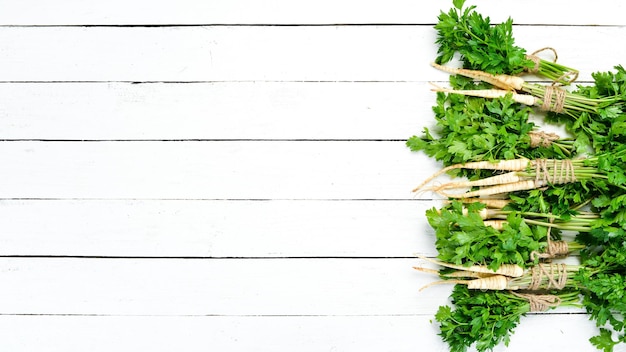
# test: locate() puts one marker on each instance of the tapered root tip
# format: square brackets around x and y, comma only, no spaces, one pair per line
[437,88]
[426,270]
[442,68]
[435,175]
[420,189]
[442,282]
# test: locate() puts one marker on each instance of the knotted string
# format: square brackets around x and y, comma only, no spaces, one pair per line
[536,59]
[554,249]
[553,99]
[542,139]
[569,76]
[548,271]
[562,171]
[539,303]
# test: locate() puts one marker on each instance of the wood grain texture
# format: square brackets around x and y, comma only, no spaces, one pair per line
[269,333]
[265,53]
[202,175]
[209,228]
[231,287]
[210,170]
[165,12]
[218,110]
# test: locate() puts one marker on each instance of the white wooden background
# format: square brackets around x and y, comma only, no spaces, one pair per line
[187,175]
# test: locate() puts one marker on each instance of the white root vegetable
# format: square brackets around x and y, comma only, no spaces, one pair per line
[499,189]
[496,224]
[505,82]
[466,273]
[503,165]
[525,99]
[426,270]
[495,282]
[510,270]
[484,213]
[493,203]
[456,274]
[509,177]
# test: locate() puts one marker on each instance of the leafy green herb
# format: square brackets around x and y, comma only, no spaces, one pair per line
[478,129]
[485,135]
[485,319]
[604,341]
[604,128]
[595,175]
[599,279]
[488,47]
[463,238]
[596,115]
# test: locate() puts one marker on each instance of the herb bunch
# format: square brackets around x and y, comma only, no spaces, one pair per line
[477,129]
[605,128]
[466,235]
[495,255]
[488,47]
[485,319]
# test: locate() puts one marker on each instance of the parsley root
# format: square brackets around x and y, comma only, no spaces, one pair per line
[491,94]
[502,165]
[550,98]
[487,318]
[502,81]
[490,47]
[528,175]
[555,196]
[510,270]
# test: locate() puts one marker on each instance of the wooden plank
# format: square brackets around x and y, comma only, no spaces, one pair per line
[266,53]
[215,228]
[230,287]
[165,198]
[211,170]
[223,110]
[116,12]
[263,333]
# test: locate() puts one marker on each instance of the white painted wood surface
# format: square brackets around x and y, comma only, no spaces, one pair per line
[262,53]
[231,176]
[166,12]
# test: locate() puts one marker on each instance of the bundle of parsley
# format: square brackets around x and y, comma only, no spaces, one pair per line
[490,48]
[502,255]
